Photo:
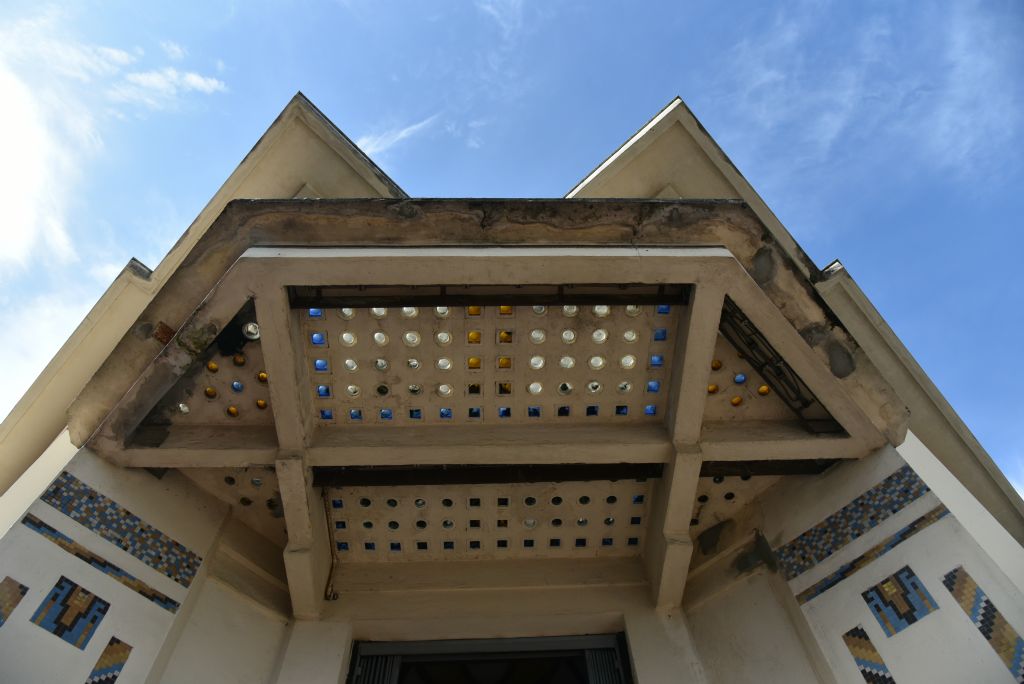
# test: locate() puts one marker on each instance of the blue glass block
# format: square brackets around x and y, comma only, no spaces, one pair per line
[340,525]
[638,498]
[474,412]
[416,414]
[653,385]
[622,410]
[563,411]
[449,545]
[740,378]
[237,386]
[503,543]
[386,414]
[663,308]
[421,546]
[633,541]
[474,544]
[355,414]
[650,410]
[336,503]
[370,546]
[504,411]
[592,410]
[657,360]
[555,542]
[316,313]
[635,520]
[660,334]
[326,414]
[320,365]
[323,391]
[533,411]
[580,543]
[318,338]
[446,413]
[527,543]
[606,541]
[343,546]
[396,546]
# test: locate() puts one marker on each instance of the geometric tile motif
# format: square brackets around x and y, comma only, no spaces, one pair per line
[11,593]
[1003,638]
[899,601]
[872,554]
[869,662]
[71,612]
[867,511]
[100,563]
[118,525]
[111,662]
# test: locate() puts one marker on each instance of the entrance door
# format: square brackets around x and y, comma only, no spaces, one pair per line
[592,659]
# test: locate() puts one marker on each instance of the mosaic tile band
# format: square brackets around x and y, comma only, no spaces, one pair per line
[872,554]
[111,662]
[1003,638]
[899,601]
[867,511]
[121,527]
[11,593]
[872,668]
[71,613]
[100,563]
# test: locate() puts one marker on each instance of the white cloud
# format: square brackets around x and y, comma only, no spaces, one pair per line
[382,142]
[160,88]
[507,13]
[173,50]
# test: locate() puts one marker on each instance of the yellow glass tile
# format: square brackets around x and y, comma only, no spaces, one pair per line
[504,362]
[473,363]
[504,388]
[474,310]
[474,337]
[505,310]
[505,336]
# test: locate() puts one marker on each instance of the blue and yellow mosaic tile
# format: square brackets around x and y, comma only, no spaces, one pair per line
[71,613]
[121,527]
[867,511]
[869,662]
[11,593]
[103,565]
[1001,636]
[111,662]
[872,554]
[899,601]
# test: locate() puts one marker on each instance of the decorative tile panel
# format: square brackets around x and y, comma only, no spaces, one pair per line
[108,667]
[899,601]
[875,552]
[71,613]
[867,511]
[11,593]
[1004,639]
[100,563]
[869,661]
[121,527]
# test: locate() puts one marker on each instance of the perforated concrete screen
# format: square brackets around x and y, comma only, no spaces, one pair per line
[521,520]
[406,366]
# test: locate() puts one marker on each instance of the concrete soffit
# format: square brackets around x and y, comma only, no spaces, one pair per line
[301,150]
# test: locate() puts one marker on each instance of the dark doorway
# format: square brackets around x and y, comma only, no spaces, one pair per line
[591,659]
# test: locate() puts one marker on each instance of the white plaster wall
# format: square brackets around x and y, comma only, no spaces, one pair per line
[944,646]
[227,639]
[29,653]
[745,635]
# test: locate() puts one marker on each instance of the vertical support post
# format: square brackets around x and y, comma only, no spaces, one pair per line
[692,369]
[308,555]
[669,547]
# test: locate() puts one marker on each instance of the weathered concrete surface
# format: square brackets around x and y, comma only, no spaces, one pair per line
[519,222]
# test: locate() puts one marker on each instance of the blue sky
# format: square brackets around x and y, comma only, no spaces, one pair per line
[887,134]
